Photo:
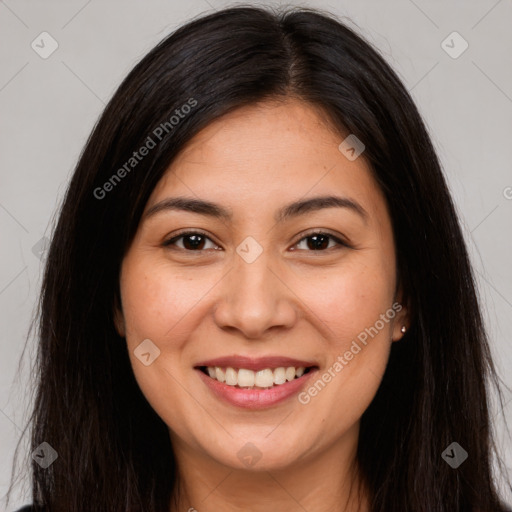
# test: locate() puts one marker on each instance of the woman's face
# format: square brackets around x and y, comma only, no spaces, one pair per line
[249,290]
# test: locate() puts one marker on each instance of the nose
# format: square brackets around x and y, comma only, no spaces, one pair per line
[254,298]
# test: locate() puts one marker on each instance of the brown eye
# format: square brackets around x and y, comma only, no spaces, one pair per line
[194,241]
[319,241]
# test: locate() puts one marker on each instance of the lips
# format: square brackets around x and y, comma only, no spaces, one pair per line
[255,397]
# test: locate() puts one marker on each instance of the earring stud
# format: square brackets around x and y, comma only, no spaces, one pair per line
[403,329]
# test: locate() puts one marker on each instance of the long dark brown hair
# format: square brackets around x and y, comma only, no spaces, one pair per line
[114,451]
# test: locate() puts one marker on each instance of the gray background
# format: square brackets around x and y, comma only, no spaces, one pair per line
[48,107]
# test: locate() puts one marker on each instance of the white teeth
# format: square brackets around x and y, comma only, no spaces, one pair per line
[231,377]
[279,376]
[244,378]
[264,378]
[290,373]
[219,374]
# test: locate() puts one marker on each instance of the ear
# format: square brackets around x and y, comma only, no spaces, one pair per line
[119,318]
[402,317]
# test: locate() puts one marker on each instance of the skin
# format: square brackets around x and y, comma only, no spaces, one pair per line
[197,304]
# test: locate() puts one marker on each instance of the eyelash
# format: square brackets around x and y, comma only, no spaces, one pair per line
[170,242]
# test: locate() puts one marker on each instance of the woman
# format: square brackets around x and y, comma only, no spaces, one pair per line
[258,295]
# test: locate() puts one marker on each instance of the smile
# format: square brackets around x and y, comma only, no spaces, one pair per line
[255,383]
[249,379]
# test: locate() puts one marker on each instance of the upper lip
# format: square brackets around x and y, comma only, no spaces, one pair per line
[255,364]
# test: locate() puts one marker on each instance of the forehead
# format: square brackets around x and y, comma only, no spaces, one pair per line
[268,153]
[265,135]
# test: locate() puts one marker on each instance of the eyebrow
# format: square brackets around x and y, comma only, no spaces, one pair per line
[301,207]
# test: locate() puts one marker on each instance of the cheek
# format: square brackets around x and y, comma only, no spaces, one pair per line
[350,300]
[355,304]
[157,302]
[162,305]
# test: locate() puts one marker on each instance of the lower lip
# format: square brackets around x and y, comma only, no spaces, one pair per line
[256,398]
